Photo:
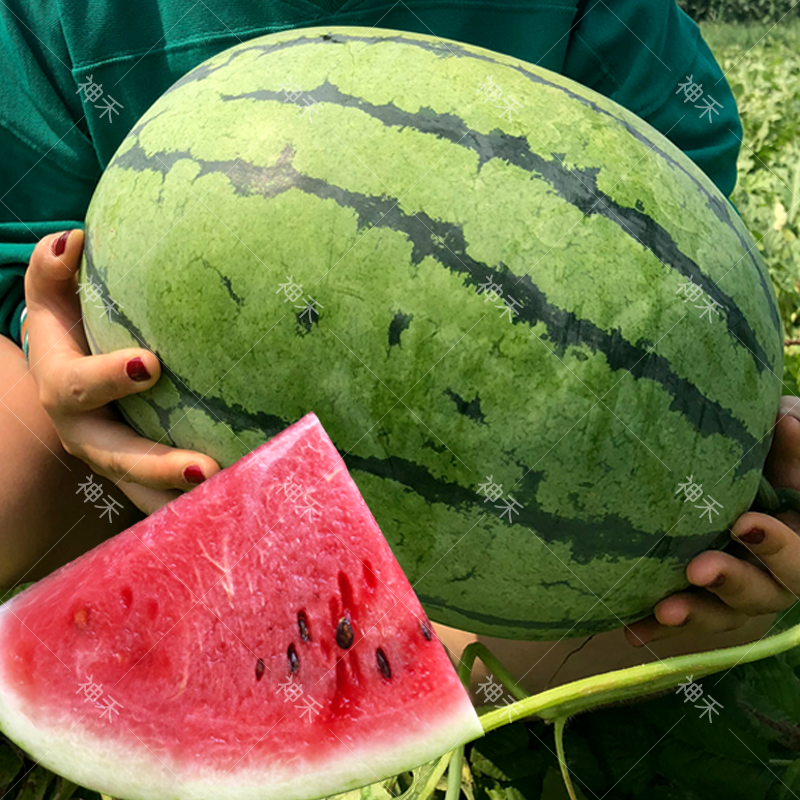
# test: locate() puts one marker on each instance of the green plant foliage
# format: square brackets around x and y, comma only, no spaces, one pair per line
[23,779]
[765,79]
[739,10]
[662,748]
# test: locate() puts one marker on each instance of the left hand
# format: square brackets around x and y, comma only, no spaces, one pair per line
[764,575]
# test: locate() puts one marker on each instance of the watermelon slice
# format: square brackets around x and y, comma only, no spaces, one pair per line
[255,638]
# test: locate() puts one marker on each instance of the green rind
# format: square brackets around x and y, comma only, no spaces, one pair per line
[423,411]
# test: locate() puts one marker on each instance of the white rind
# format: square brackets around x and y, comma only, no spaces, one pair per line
[137,773]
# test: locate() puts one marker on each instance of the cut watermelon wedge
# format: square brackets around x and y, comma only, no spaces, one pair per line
[253,639]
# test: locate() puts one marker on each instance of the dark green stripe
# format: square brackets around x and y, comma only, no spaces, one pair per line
[718,206]
[613,535]
[445,242]
[588,625]
[578,187]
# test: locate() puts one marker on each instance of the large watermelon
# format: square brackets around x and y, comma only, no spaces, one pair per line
[252,640]
[525,318]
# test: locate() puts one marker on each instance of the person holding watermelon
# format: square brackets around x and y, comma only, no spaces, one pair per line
[57,419]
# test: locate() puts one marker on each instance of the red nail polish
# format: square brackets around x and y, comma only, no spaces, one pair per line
[754,536]
[716,583]
[193,474]
[136,370]
[60,244]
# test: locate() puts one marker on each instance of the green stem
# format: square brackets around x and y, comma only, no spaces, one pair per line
[433,778]
[624,684]
[562,761]
[478,650]
[454,774]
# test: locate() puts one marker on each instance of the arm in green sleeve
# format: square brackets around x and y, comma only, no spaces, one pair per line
[48,167]
[638,53]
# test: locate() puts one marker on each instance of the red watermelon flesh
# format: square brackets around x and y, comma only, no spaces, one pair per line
[255,638]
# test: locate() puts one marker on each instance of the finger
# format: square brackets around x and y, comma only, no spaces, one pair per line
[640,633]
[689,612]
[145,498]
[774,544]
[114,450]
[783,462]
[86,383]
[738,584]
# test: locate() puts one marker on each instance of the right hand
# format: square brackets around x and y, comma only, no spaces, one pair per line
[76,388]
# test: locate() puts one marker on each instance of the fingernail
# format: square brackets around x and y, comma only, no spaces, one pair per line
[682,624]
[193,474]
[754,536]
[716,583]
[60,244]
[136,370]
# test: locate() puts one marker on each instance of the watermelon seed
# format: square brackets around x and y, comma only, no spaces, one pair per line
[294,661]
[426,631]
[81,618]
[344,633]
[259,669]
[302,624]
[383,664]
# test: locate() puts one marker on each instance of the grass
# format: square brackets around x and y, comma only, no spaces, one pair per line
[762,65]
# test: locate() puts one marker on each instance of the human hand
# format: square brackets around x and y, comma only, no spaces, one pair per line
[76,388]
[761,576]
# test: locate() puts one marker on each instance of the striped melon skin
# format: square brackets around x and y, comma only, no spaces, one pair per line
[391,207]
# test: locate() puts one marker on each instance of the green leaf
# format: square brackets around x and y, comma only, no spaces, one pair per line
[616,748]
[711,776]
[789,787]
[506,754]
[553,787]
[35,784]
[7,594]
[10,764]
[62,789]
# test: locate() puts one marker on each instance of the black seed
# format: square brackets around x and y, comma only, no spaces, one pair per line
[344,633]
[259,669]
[383,664]
[302,624]
[426,631]
[294,661]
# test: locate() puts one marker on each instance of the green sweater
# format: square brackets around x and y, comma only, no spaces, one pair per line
[55,144]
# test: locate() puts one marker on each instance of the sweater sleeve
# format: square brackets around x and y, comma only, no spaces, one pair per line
[48,168]
[649,56]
